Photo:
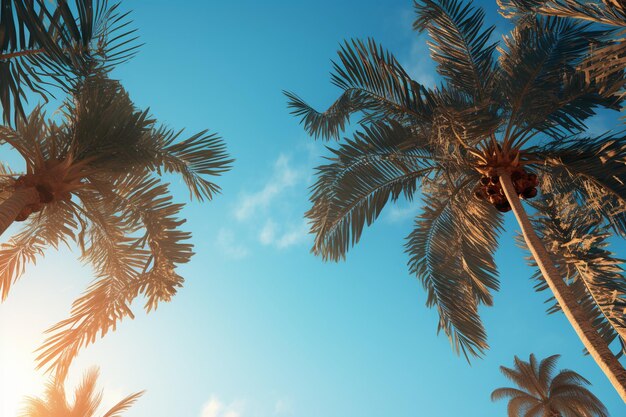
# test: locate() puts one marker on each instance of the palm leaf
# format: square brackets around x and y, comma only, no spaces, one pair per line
[126,266]
[593,167]
[193,158]
[458,44]
[454,260]
[381,163]
[45,45]
[541,88]
[373,83]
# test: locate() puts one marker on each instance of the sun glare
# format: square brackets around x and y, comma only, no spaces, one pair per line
[17,379]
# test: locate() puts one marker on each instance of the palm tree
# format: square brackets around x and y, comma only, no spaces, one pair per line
[86,400]
[541,393]
[494,131]
[94,180]
[45,43]
[605,60]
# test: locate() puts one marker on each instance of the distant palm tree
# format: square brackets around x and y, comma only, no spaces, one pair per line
[605,59]
[495,131]
[44,43]
[541,393]
[94,179]
[86,400]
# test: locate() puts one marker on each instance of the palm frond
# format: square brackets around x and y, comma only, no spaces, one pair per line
[542,88]
[194,158]
[379,164]
[373,83]
[592,167]
[123,405]
[605,12]
[87,399]
[126,265]
[459,44]
[47,45]
[51,227]
[451,251]
[116,260]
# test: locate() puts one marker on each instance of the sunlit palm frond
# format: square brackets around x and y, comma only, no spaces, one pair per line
[593,167]
[607,12]
[459,44]
[606,60]
[451,251]
[373,83]
[379,164]
[540,394]
[149,207]
[123,405]
[134,242]
[541,87]
[577,241]
[51,227]
[87,400]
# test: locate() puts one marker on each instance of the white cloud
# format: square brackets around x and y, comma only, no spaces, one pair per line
[216,408]
[228,245]
[282,237]
[284,177]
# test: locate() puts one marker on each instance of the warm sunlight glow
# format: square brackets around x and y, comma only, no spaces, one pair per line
[17,379]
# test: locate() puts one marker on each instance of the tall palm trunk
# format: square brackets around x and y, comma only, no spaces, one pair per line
[597,347]
[11,207]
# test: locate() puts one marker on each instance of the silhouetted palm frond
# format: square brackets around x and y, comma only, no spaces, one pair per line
[374,84]
[381,163]
[542,88]
[47,44]
[542,393]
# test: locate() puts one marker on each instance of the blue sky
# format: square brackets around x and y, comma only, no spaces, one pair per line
[262,327]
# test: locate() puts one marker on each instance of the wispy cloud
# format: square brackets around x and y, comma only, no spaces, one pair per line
[274,213]
[273,234]
[216,408]
[228,245]
[284,177]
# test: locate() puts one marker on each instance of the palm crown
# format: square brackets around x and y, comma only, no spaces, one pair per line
[509,124]
[45,44]
[86,400]
[94,179]
[541,393]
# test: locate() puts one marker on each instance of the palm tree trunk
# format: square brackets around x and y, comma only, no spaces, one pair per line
[11,207]
[595,345]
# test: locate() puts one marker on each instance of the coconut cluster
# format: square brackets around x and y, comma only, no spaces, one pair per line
[490,189]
